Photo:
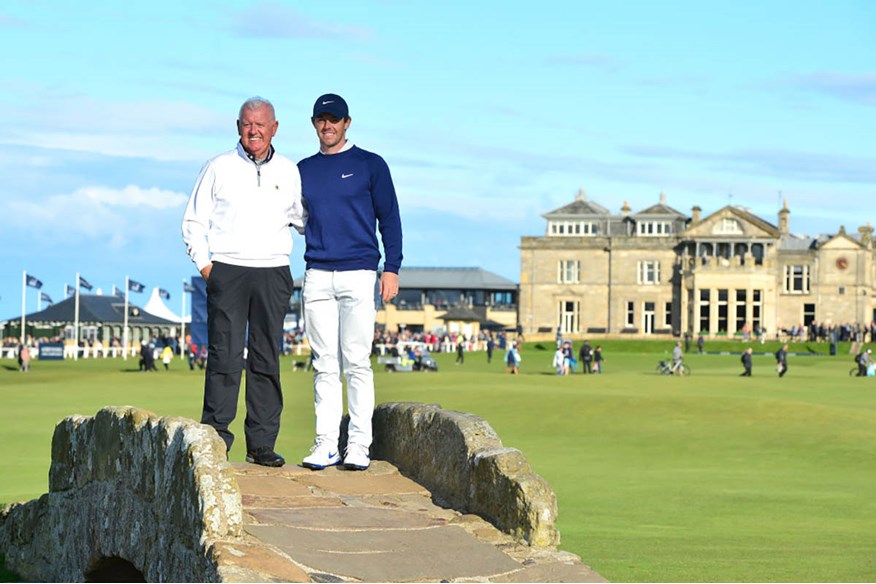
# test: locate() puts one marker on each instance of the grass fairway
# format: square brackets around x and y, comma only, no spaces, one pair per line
[711,478]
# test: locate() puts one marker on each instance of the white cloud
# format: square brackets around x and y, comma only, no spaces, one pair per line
[112,216]
[860,88]
[159,129]
[131,196]
[272,19]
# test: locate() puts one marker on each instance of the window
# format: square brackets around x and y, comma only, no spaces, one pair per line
[444,298]
[654,228]
[741,313]
[728,226]
[808,314]
[630,321]
[568,272]
[648,309]
[757,252]
[569,316]
[797,279]
[648,272]
[409,299]
[705,311]
[667,316]
[503,298]
[756,305]
[722,311]
[572,228]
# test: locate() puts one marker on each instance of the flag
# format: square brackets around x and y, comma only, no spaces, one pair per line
[69,290]
[33,282]
[118,292]
[162,293]
[188,287]
[46,298]
[135,286]
[84,283]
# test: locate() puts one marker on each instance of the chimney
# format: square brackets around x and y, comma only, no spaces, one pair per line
[662,198]
[625,210]
[866,232]
[784,219]
[696,214]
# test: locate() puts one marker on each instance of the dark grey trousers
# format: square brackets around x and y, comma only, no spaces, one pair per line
[245,306]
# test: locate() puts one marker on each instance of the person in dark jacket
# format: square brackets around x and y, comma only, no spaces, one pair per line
[746,362]
[864,359]
[782,360]
[586,355]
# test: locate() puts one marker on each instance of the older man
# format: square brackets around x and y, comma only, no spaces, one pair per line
[236,229]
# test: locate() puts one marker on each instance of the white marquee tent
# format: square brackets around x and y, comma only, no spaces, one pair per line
[157,307]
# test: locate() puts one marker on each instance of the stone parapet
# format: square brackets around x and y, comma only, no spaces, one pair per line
[126,484]
[462,461]
[134,496]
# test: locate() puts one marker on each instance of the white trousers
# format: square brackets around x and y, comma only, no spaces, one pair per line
[339,313]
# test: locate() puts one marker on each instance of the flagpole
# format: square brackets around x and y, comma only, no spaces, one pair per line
[76,324]
[23,303]
[184,347]
[125,329]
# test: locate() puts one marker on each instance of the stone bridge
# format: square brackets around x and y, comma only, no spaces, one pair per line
[135,497]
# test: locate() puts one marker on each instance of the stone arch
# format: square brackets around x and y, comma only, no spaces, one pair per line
[127,490]
[113,569]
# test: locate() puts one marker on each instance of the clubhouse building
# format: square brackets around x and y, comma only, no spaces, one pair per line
[454,300]
[659,272]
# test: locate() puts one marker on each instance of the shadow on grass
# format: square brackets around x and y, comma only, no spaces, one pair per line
[10,368]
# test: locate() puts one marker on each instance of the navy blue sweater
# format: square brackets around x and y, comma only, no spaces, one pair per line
[348,196]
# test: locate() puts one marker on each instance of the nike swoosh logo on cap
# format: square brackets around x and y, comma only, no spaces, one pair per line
[328,102]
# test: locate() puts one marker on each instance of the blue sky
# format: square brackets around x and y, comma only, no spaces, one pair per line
[488,114]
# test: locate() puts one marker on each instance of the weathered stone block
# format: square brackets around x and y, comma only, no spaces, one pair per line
[156,492]
[462,461]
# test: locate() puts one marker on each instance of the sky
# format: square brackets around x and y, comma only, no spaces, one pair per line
[489,114]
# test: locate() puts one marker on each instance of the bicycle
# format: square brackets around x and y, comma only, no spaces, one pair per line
[667,368]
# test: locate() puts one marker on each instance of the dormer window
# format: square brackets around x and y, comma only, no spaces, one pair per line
[654,228]
[572,228]
[728,226]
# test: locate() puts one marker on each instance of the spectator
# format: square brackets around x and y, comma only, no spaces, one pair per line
[586,355]
[746,363]
[167,356]
[24,357]
[782,360]
[598,359]
[512,359]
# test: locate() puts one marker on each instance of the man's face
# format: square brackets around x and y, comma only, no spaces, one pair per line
[256,128]
[331,131]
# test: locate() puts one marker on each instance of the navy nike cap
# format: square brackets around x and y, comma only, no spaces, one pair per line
[330,104]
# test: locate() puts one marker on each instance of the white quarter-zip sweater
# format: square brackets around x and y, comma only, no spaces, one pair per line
[240,212]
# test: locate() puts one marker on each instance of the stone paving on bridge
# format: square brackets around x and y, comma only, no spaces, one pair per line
[373,526]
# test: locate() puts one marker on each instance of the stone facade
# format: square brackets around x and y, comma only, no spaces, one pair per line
[659,272]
